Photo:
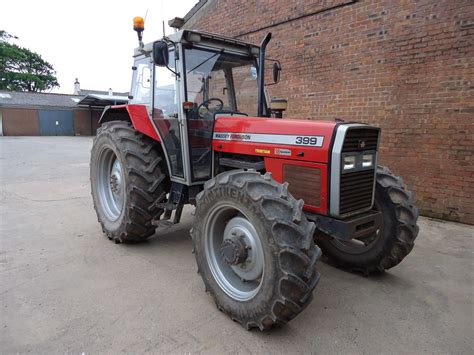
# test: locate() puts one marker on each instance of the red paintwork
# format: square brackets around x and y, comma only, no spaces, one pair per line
[140,119]
[275,126]
[275,166]
[316,157]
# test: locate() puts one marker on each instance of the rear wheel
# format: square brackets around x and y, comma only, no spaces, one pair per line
[254,248]
[128,181]
[392,243]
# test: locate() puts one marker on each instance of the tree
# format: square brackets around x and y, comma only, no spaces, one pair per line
[22,69]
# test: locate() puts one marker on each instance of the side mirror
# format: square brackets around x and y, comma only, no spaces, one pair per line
[276,72]
[160,53]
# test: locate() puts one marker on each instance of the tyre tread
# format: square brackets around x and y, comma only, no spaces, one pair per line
[147,185]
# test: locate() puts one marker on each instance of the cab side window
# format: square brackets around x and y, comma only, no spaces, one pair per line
[141,82]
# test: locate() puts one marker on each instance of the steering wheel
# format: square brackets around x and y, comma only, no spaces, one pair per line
[204,106]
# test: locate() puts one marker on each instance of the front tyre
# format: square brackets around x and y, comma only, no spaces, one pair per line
[128,181]
[395,240]
[254,248]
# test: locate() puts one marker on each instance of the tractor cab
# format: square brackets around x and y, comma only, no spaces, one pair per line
[187,80]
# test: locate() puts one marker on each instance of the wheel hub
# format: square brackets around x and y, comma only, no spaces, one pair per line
[234,250]
[114,184]
[116,181]
[110,184]
[248,263]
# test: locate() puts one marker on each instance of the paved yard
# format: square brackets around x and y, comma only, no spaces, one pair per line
[65,288]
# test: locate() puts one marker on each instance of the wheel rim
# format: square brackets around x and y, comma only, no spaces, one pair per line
[362,244]
[110,183]
[242,281]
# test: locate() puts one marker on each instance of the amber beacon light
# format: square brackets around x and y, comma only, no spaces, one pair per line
[139,26]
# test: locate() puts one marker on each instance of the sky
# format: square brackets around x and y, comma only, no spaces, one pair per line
[86,39]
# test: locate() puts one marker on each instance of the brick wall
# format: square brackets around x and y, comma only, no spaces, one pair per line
[405,66]
[20,122]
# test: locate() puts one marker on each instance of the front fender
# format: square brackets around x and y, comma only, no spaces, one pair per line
[136,114]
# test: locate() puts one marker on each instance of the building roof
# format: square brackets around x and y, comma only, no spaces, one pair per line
[102,100]
[194,9]
[15,99]
[37,99]
[84,92]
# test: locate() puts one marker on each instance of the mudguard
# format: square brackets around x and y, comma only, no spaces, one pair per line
[137,114]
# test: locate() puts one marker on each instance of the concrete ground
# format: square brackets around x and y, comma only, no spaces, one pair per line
[65,288]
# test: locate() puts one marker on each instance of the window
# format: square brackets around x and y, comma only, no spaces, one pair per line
[230,78]
[141,81]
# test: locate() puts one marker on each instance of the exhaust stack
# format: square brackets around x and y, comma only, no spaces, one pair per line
[261,73]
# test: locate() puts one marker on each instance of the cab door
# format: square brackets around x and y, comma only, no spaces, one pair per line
[166,113]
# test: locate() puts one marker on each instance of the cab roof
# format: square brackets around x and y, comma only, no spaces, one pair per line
[205,39]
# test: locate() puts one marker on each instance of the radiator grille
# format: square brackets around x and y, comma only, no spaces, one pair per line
[356,191]
[360,139]
[304,183]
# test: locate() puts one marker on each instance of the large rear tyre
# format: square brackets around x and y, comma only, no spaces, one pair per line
[128,181]
[390,245]
[254,248]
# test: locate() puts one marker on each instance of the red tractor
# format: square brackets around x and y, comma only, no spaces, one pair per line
[270,194]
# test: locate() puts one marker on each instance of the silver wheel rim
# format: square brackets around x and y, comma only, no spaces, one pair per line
[241,282]
[110,183]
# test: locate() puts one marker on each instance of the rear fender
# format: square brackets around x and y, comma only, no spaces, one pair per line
[136,114]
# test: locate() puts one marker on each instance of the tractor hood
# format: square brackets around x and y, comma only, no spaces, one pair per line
[297,139]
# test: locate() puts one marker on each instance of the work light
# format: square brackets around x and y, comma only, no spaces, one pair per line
[349,162]
[367,160]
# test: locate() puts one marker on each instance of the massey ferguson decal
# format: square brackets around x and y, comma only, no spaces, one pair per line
[285,139]
[232,136]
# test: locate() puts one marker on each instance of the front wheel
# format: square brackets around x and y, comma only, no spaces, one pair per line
[254,248]
[391,244]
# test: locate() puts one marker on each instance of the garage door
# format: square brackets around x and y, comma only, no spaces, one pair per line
[56,123]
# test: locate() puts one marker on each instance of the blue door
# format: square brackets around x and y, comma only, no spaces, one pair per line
[56,123]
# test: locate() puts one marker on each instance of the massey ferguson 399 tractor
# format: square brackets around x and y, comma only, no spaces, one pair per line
[270,194]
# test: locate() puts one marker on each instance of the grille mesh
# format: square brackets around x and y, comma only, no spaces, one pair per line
[356,191]
[358,139]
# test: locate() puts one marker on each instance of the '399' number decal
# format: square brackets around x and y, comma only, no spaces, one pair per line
[307,140]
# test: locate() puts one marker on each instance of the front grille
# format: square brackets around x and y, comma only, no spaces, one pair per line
[356,191]
[358,139]
[304,183]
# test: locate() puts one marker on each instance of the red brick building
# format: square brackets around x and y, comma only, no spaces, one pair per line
[405,66]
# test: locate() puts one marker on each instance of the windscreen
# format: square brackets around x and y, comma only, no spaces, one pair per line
[227,77]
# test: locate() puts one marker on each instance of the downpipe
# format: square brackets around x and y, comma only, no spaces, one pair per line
[261,74]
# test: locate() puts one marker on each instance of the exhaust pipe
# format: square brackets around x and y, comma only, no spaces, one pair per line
[261,73]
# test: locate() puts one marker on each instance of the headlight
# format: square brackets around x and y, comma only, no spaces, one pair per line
[367,160]
[349,162]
